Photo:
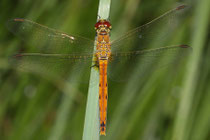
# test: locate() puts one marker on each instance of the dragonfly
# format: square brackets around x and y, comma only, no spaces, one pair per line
[58,53]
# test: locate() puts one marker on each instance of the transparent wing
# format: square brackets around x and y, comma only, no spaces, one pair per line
[46,40]
[123,65]
[51,53]
[154,31]
[56,66]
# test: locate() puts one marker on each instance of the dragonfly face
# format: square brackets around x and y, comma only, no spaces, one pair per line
[103,27]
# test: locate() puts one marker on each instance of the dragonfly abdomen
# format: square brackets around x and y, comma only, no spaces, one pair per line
[103,95]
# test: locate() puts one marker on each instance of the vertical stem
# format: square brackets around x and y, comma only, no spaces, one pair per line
[91,126]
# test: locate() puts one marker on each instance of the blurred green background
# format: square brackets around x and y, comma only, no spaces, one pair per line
[172,104]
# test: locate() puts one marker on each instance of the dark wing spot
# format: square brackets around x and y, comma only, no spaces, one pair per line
[17,55]
[181,7]
[19,19]
[184,46]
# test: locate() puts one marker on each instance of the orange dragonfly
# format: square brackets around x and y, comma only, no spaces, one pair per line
[56,52]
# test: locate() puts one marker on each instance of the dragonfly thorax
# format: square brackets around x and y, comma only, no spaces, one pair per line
[103,52]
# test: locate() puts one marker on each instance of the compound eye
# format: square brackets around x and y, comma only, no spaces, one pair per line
[107,24]
[98,24]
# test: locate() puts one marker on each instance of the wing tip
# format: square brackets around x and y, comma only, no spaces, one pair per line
[13,59]
[17,56]
[18,19]
[190,49]
[184,46]
[10,24]
[181,7]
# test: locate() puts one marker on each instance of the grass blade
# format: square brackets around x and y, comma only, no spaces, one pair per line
[91,126]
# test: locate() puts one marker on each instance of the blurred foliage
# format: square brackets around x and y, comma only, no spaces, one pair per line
[153,107]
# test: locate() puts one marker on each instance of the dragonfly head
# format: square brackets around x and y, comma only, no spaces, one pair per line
[103,26]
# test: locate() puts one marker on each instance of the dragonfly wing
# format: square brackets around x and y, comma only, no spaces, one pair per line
[154,31]
[55,66]
[46,40]
[124,65]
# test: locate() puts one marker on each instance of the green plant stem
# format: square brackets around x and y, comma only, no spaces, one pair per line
[91,126]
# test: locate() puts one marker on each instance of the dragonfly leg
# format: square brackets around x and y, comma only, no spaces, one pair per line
[94,65]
